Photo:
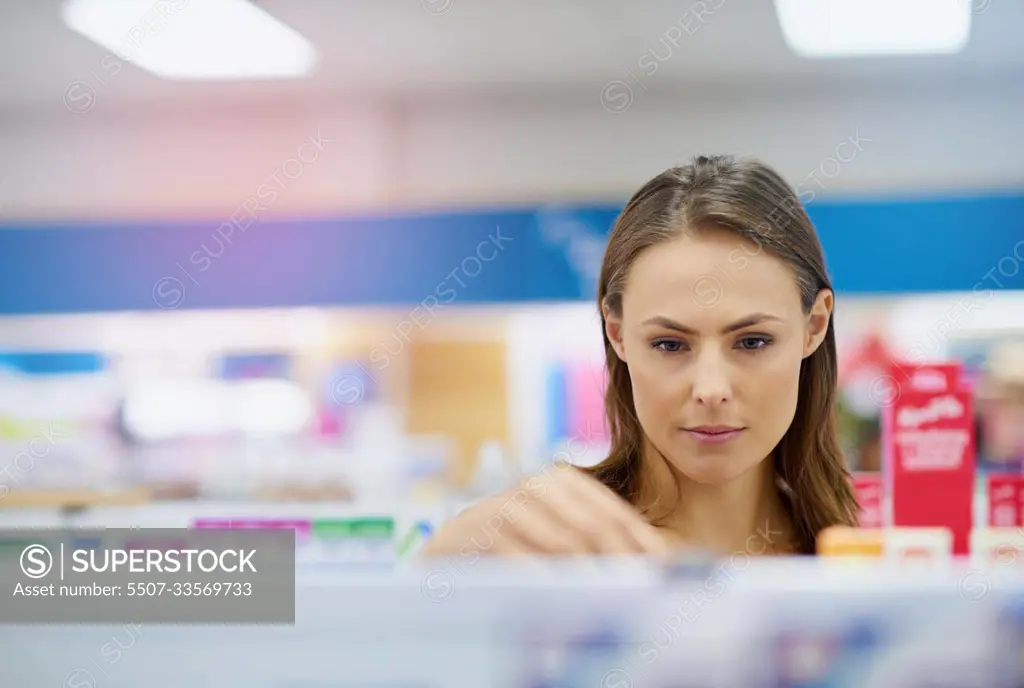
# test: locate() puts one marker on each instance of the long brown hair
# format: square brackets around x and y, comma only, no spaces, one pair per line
[751,199]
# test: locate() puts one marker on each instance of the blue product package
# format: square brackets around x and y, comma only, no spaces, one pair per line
[53,363]
[832,658]
[583,661]
[1010,644]
[350,384]
[261,366]
[557,415]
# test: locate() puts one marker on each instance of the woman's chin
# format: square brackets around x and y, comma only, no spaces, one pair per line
[712,472]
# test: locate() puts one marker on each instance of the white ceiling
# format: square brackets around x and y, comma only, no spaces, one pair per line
[503,47]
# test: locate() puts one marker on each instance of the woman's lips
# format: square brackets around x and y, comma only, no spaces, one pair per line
[714,435]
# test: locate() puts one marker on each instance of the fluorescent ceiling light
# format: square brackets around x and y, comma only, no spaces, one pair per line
[855,28]
[194,39]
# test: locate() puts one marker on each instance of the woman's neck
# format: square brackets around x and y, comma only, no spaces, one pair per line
[743,516]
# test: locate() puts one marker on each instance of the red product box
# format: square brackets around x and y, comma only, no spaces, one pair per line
[1004,500]
[869,491]
[930,377]
[929,446]
[908,376]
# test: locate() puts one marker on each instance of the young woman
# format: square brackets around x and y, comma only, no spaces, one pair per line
[721,358]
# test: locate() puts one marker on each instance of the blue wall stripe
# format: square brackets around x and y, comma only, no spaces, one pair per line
[494,256]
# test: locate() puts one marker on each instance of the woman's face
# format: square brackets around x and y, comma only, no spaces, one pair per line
[713,334]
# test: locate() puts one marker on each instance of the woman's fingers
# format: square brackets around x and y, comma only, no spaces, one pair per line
[518,524]
[560,512]
[542,529]
[593,529]
[617,515]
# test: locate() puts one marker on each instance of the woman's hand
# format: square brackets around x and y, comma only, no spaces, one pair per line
[562,511]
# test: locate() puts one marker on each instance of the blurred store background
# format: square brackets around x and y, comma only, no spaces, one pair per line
[333,268]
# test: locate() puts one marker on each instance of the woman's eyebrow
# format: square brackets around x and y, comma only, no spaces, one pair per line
[747,321]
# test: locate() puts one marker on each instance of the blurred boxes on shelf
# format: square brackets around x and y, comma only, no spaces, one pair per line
[898,544]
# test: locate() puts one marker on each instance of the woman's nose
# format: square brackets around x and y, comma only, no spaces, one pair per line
[711,384]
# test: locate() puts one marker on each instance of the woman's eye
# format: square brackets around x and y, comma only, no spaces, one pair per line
[754,343]
[668,345]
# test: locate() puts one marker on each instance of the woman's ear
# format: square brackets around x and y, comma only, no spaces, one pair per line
[613,330]
[817,321]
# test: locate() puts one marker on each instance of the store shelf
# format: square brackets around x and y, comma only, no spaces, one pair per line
[73,499]
[487,624]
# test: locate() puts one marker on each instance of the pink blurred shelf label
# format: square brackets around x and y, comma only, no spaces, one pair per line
[586,409]
[301,527]
[207,523]
[155,544]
